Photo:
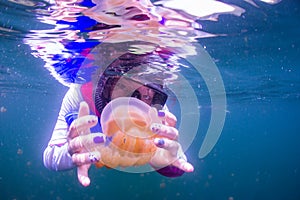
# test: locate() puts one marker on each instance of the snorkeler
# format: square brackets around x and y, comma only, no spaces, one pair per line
[122,78]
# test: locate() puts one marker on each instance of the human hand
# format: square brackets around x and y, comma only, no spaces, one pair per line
[169,151]
[79,138]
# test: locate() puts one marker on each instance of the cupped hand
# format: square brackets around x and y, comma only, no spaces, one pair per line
[80,138]
[169,151]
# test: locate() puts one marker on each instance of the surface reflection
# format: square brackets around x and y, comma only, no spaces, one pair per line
[78,26]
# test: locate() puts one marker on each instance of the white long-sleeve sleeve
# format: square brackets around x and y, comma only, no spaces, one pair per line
[56,156]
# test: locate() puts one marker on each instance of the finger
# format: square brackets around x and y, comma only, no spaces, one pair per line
[168,118]
[82,174]
[183,165]
[84,141]
[170,145]
[82,125]
[85,158]
[83,109]
[164,131]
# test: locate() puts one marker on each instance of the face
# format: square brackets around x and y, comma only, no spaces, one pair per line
[146,94]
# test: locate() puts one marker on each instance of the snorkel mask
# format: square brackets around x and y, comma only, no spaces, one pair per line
[150,93]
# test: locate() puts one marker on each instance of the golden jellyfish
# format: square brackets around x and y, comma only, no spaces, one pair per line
[126,122]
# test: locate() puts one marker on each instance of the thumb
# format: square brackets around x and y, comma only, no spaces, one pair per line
[82,174]
[83,109]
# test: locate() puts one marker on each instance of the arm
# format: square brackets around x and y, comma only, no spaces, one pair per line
[56,156]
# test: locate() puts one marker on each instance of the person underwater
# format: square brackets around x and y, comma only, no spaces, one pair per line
[126,76]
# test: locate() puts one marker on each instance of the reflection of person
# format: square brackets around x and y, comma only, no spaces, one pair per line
[66,150]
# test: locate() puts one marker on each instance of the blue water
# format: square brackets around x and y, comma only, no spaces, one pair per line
[257,156]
